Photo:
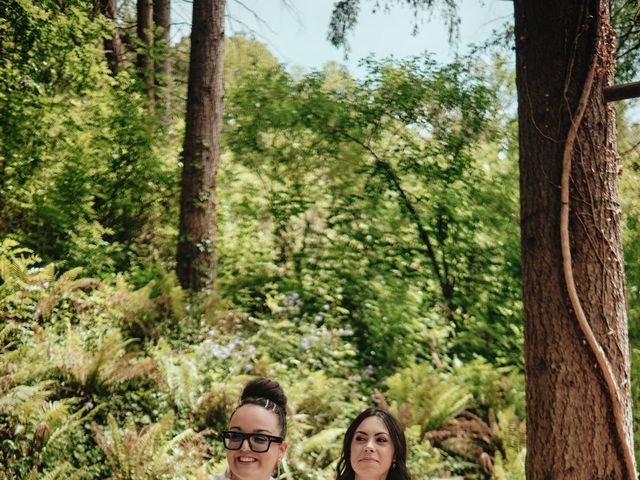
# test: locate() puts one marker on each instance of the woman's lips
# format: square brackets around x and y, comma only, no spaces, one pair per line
[369,460]
[246,460]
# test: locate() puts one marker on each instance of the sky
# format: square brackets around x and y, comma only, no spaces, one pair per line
[295,31]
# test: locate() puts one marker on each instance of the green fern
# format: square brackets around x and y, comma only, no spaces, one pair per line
[62,287]
[28,363]
[149,453]
[66,471]
[24,401]
[510,431]
[422,396]
[181,376]
[102,366]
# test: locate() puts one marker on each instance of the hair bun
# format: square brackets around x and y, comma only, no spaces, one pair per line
[267,389]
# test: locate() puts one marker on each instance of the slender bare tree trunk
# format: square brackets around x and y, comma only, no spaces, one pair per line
[144,58]
[162,22]
[571,428]
[196,256]
[112,46]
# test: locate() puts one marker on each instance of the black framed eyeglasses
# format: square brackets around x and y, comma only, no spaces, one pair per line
[258,442]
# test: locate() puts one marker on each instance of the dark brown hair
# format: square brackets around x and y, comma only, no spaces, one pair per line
[398,471]
[268,394]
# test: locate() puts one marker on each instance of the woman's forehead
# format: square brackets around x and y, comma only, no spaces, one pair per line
[252,418]
[373,425]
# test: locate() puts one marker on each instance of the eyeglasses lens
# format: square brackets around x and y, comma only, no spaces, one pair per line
[234,440]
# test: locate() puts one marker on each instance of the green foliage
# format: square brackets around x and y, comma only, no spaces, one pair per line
[83,171]
[510,459]
[368,253]
[148,453]
[624,17]
[421,396]
[374,205]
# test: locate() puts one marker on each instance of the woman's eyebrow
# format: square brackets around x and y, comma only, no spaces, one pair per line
[258,430]
[375,434]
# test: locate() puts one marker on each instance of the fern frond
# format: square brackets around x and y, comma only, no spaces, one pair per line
[13,272]
[6,330]
[67,277]
[101,367]
[23,401]
[66,283]
[54,413]
[422,396]
[65,471]
[104,443]
[320,440]
[127,368]
[70,423]
[181,376]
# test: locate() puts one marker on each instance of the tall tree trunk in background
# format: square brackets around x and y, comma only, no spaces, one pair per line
[112,46]
[162,22]
[196,256]
[571,431]
[144,58]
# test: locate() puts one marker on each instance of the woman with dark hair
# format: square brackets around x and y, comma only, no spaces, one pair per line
[254,439]
[374,448]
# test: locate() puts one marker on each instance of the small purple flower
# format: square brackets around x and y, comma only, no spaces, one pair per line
[355,378]
[292,299]
[305,342]
[220,352]
[318,317]
[248,367]
[325,307]
[368,371]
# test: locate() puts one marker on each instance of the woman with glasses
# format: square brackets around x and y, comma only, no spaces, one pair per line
[255,437]
[374,448]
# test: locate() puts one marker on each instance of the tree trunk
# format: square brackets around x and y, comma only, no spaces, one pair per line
[196,256]
[162,22]
[112,46]
[144,58]
[571,430]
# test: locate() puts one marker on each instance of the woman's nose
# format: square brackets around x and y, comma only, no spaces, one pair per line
[244,446]
[369,446]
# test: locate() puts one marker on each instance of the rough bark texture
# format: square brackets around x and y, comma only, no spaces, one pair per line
[162,22]
[196,257]
[112,46]
[144,58]
[570,428]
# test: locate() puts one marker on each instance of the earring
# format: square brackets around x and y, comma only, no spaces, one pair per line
[393,465]
[276,471]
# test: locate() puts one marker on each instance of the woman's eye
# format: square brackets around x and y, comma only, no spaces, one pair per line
[382,440]
[260,439]
[361,439]
[236,437]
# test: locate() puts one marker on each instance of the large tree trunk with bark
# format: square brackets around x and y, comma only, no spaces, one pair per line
[196,257]
[162,22]
[144,57]
[571,423]
[113,45]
